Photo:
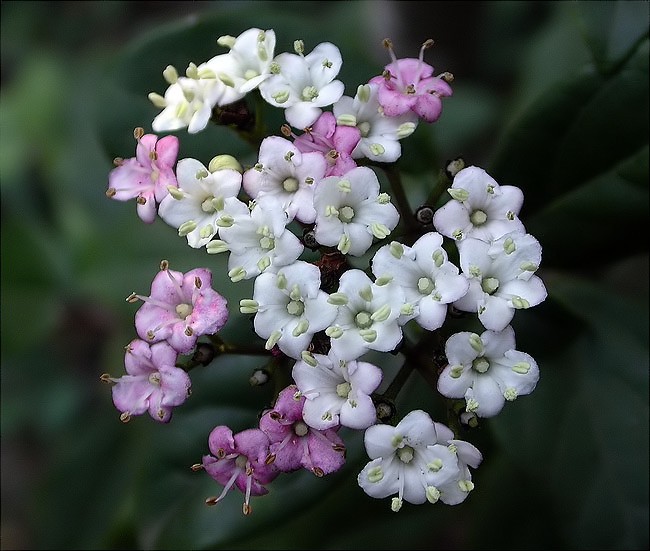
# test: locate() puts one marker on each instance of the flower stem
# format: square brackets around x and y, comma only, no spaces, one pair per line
[401,200]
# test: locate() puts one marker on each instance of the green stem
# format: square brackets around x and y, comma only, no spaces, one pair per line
[441,185]
[401,201]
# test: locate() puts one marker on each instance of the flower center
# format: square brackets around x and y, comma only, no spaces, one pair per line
[490,285]
[290,184]
[154,378]
[346,214]
[481,365]
[300,428]
[309,93]
[478,218]
[250,73]
[425,286]
[267,242]
[406,454]
[364,128]
[343,389]
[240,462]
[183,310]
[363,320]
[212,204]
[296,307]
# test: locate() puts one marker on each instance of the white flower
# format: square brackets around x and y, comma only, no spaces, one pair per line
[429,281]
[289,307]
[501,277]
[286,173]
[256,240]
[479,207]
[418,461]
[337,392]
[486,370]
[247,64]
[380,134]
[303,84]
[350,211]
[367,316]
[202,198]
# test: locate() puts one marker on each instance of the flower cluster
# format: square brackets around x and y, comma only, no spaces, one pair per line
[318,188]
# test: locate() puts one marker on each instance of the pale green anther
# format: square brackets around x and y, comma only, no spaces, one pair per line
[476,343]
[181,109]
[343,389]
[452,448]
[225,221]
[346,214]
[344,244]
[309,180]
[363,93]
[436,296]
[295,307]
[170,74]
[407,309]
[251,73]
[207,205]
[290,184]
[377,149]
[396,441]
[186,227]
[175,192]
[383,280]
[395,504]
[237,274]
[380,231]
[248,306]
[353,403]
[191,71]
[273,340]
[281,96]
[459,194]
[480,310]
[200,174]
[289,155]
[263,263]
[299,47]
[509,245]
[478,218]
[472,405]
[206,231]
[263,230]
[490,189]
[528,266]
[281,281]
[338,299]
[301,327]
[259,167]
[366,293]
[405,130]
[490,285]
[425,286]
[368,335]
[308,358]
[217,246]
[331,210]
[406,454]
[364,129]
[227,80]
[344,186]
[383,198]
[474,271]
[309,93]
[456,371]
[363,320]
[334,332]
[267,243]
[435,465]
[432,493]
[375,474]
[510,215]
[466,485]
[438,257]
[226,41]
[396,249]
[327,416]
[327,64]
[521,367]
[520,303]
[346,120]
[225,161]
[157,100]
[295,293]
[382,314]
[510,394]
[275,68]
[206,73]
[218,203]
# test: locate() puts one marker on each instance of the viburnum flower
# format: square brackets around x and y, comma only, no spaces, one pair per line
[257,240]
[294,444]
[479,207]
[203,198]
[147,176]
[289,307]
[408,85]
[303,84]
[337,392]
[429,281]
[486,370]
[333,141]
[367,316]
[239,460]
[283,171]
[417,461]
[380,134]
[180,308]
[501,277]
[153,383]
[351,211]
[246,65]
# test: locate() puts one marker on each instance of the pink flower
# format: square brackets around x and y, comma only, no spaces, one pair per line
[408,85]
[153,382]
[239,460]
[181,308]
[294,444]
[334,142]
[146,176]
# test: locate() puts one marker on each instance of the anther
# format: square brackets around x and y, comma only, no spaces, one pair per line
[138,132]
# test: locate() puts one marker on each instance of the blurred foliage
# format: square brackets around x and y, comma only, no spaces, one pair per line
[551,97]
